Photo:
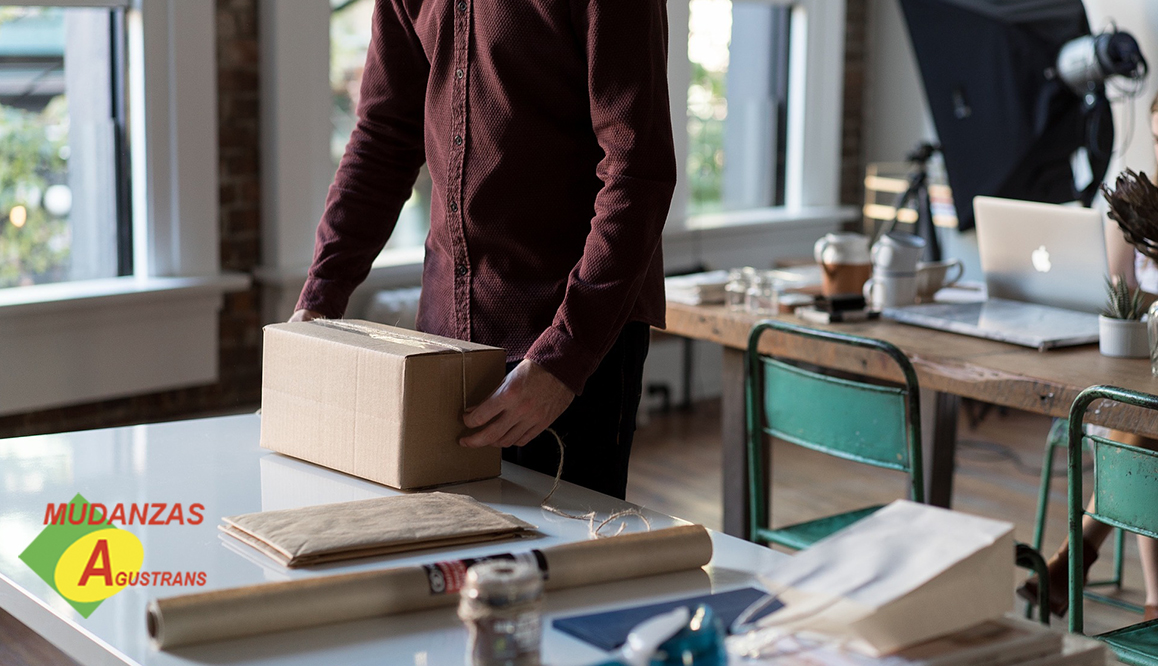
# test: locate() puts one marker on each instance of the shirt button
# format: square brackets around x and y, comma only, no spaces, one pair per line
[461,6]
[458,140]
[458,74]
[453,207]
[462,270]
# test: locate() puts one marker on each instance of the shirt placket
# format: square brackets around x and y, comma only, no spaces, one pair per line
[454,187]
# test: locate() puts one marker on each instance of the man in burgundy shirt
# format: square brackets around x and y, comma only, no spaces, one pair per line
[546,129]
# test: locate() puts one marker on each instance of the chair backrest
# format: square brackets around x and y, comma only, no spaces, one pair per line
[1125,482]
[857,420]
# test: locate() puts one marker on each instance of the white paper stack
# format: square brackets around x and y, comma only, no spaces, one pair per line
[1004,642]
[697,288]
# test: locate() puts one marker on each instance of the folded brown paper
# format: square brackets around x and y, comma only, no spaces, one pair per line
[365,528]
[258,609]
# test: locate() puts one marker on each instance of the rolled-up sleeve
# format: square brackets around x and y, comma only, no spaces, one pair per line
[626,49]
[379,167]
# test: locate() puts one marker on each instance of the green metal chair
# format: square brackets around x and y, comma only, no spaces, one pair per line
[868,423]
[1057,438]
[1028,557]
[1125,496]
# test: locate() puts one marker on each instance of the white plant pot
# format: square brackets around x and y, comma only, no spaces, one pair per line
[1123,338]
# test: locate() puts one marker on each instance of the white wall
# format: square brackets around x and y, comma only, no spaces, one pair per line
[1141,20]
[897,115]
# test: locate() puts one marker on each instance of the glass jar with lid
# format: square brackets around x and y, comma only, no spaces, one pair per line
[736,290]
[762,297]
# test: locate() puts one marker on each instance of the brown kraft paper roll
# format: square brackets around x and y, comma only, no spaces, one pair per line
[259,609]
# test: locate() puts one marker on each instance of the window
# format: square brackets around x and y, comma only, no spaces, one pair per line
[737,104]
[763,119]
[63,184]
[108,156]
[349,40]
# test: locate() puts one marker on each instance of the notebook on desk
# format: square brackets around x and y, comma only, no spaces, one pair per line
[1026,324]
[1044,266]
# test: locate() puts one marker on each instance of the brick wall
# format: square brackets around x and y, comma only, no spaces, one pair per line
[852,125]
[240,225]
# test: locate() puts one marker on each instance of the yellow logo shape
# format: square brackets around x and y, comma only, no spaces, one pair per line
[98,564]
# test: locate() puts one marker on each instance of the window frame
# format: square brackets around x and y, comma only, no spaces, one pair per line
[815,99]
[76,342]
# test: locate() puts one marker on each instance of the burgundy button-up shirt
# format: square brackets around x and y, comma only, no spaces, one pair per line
[546,129]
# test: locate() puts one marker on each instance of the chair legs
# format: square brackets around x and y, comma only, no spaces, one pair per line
[1030,558]
[1058,438]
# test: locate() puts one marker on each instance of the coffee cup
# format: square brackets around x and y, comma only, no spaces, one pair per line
[845,263]
[932,276]
[890,291]
[897,252]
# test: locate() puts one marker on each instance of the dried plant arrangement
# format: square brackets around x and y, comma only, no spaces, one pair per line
[1134,206]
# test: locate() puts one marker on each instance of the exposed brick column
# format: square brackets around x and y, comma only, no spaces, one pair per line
[852,124]
[238,388]
[239,147]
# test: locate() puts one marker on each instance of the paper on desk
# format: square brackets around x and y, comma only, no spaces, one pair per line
[1002,642]
[903,575]
[370,527]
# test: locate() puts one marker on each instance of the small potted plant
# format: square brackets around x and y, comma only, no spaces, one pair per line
[1121,329]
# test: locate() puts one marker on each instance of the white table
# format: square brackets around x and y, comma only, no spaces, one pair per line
[217,462]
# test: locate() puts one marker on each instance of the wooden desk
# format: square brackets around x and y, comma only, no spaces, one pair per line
[950,365]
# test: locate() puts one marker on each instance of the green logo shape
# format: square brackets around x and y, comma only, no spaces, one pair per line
[47,548]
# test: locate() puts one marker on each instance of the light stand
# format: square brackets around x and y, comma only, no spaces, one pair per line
[918,191]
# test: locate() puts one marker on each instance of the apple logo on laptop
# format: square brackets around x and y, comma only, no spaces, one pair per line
[1041,262]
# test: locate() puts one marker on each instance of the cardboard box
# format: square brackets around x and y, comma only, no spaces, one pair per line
[375,401]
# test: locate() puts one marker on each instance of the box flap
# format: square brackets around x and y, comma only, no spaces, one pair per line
[380,338]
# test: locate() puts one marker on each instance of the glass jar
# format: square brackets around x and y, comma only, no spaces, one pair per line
[1152,328]
[736,291]
[501,603]
[762,297]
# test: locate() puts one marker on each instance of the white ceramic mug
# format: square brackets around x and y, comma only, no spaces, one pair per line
[842,248]
[889,291]
[933,276]
[844,261]
[897,252]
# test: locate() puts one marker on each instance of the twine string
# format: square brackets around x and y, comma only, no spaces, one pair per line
[595,531]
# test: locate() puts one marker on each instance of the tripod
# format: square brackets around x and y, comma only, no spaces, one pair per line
[918,191]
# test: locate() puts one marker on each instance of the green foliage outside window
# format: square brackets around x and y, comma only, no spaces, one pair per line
[707,108]
[34,244]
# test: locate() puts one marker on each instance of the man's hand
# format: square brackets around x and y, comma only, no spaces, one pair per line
[306,315]
[524,405]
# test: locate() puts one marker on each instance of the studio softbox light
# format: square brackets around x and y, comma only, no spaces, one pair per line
[1007,124]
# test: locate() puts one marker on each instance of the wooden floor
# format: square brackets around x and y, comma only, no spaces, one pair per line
[675,468]
[19,646]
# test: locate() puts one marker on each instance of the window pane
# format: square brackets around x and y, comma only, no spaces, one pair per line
[349,39]
[58,131]
[737,104]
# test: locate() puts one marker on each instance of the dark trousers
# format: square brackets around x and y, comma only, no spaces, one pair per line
[598,427]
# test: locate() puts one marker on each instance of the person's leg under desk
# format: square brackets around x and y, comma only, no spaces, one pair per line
[1094,534]
[598,428]
[1147,547]
[1148,551]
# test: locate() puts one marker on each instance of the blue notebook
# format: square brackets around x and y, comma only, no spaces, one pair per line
[608,630]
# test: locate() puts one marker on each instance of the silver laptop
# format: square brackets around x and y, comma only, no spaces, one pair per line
[1045,268]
